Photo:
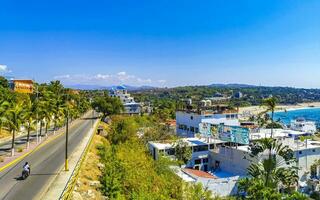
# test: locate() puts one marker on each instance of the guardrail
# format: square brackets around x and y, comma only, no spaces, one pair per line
[67,192]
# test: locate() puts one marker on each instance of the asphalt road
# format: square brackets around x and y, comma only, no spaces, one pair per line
[45,164]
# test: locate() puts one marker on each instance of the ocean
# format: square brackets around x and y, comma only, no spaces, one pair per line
[310,114]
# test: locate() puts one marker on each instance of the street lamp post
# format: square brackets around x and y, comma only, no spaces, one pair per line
[66,167]
[67,133]
[37,134]
[92,119]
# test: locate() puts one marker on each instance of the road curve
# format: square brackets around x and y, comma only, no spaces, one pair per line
[45,164]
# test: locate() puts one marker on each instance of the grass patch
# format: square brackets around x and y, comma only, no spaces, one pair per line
[4,133]
[89,170]
[20,149]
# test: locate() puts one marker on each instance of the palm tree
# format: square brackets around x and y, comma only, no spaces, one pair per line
[57,102]
[270,104]
[41,114]
[29,120]
[273,163]
[58,115]
[3,110]
[49,101]
[14,120]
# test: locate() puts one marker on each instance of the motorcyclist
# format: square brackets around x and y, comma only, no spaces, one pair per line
[26,167]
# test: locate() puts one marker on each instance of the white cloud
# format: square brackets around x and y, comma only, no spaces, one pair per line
[107,79]
[144,80]
[67,76]
[122,73]
[4,69]
[102,76]
[162,81]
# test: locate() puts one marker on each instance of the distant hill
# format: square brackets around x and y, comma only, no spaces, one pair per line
[232,85]
[100,87]
[87,87]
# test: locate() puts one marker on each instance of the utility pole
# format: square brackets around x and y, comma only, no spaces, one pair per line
[92,119]
[92,113]
[66,167]
[66,156]
[37,97]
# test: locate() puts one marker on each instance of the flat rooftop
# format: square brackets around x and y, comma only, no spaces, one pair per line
[191,142]
[277,133]
[295,145]
[198,173]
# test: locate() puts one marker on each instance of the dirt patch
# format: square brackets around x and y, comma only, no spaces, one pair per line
[88,183]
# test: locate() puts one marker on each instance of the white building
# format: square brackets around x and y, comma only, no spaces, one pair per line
[236,160]
[200,151]
[227,162]
[130,106]
[188,121]
[303,125]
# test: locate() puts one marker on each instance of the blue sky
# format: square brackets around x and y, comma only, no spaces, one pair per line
[162,43]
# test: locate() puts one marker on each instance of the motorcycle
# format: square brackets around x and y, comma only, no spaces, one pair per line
[25,174]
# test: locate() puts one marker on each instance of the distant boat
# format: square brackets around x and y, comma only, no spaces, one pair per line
[300,124]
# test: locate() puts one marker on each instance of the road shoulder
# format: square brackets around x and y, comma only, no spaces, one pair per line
[59,184]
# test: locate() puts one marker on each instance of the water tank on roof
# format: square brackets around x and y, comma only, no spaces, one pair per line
[189,102]
[208,103]
[203,103]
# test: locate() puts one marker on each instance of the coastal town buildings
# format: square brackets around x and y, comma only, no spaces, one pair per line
[301,124]
[219,159]
[130,106]
[21,86]
[188,121]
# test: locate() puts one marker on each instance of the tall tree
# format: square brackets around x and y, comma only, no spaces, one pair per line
[273,164]
[4,82]
[29,119]
[4,105]
[183,151]
[107,105]
[270,104]
[15,120]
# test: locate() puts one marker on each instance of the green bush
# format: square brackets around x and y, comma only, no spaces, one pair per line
[20,149]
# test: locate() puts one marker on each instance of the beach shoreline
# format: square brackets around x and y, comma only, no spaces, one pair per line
[255,110]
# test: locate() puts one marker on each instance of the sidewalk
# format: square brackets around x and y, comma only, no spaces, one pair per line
[59,184]
[21,141]
[10,160]
[22,134]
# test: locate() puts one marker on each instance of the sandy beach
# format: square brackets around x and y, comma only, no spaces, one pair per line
[254,110]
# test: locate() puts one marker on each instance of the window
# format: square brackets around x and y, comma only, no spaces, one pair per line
[197,161]
[191,117]
[313,150]
[211,146]
[197,130]
[170,151]
[191,128]
[300,152]
[200,148]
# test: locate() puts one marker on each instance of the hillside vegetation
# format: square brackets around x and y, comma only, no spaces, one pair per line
[129,171]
